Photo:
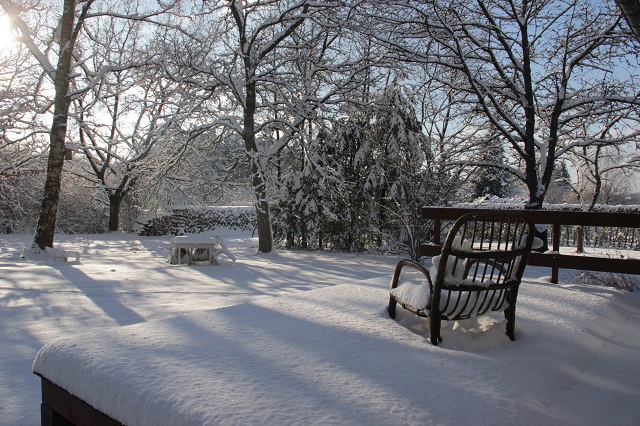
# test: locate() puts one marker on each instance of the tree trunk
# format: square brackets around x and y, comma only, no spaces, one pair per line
[47,221]
[265,237]
[115,200]
[579,239]
[542,231]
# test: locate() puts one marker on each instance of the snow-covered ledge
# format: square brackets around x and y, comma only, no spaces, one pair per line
[264,363]
[333,356]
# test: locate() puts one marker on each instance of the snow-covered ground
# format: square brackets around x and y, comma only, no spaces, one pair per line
[304,338]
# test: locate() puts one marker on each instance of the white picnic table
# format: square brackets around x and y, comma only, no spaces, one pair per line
[196,250]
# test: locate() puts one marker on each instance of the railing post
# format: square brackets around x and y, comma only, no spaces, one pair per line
[554,270]
[556,249]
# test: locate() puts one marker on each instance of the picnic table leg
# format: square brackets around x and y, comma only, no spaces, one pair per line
[225,250]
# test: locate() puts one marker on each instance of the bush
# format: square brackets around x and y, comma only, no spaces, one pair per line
[609,279]
[20,198]
[193,220]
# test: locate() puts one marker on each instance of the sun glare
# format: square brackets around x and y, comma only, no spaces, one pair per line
[5,31]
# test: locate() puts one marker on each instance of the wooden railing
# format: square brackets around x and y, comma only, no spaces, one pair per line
[557,219]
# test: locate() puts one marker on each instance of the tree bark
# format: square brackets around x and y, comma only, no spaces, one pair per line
[541,230]
[115,200]
[47,220]
[579,239]
[263,217]
[265,237]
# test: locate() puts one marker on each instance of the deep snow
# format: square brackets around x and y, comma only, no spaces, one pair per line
[300,337]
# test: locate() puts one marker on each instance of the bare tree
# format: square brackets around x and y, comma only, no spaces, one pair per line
[529,70]
[118,131]
[266,95]
[22,128]
[70,26]
[602,173]
[122,118]
[54,43]
[448,124]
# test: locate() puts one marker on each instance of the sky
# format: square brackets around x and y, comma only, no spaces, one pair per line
[295,337]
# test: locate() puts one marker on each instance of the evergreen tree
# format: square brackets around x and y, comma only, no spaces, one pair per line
[560,190]
[397,177]
[347,217]
[487,180]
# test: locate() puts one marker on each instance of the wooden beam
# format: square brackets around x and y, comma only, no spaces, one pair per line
[565,261]
[60,408]
[557,218]
[552,217]
[585,263]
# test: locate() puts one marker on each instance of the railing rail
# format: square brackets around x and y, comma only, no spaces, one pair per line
[557,219]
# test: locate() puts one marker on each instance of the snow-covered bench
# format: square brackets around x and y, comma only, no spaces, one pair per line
[276,361]
[63,255]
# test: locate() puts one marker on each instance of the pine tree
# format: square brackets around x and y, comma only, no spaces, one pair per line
[491,181]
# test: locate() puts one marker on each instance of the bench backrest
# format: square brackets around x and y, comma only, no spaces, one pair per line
[481,263]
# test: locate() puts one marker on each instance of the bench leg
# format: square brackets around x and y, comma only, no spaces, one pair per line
[434,328]
[392,306]
[510,315]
